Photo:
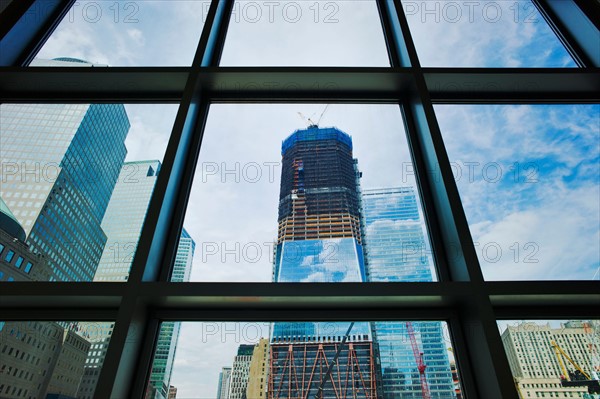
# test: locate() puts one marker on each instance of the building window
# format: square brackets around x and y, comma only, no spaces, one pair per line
[9,255]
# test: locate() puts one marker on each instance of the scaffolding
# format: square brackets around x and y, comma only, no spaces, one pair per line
[319,192]
[297,370]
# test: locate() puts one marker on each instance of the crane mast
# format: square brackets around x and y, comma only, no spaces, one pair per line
[419,360]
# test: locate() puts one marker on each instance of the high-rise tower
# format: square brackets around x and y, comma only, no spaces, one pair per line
[60,163]
[319,240]
[319,236]
[396,251]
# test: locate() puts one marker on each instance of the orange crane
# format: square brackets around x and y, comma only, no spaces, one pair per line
[419,359]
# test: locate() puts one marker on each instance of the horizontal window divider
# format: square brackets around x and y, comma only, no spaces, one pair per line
[299,84]
[48,300]
[309,315]
[91,314]
[558,311]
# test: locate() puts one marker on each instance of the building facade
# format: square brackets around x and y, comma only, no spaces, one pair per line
[224,382]
[17,261]
[240,371]
[319,240]
[534,363]
[259,368]
[397,251]
[39,359]
[60,163]
[166,346]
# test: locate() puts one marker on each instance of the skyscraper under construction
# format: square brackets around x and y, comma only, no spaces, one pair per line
[320,240]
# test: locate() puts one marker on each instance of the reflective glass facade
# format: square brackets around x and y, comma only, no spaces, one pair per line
[125,217]
[396,252]
[60,165]
[166,346]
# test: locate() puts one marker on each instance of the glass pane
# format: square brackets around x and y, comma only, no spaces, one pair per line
[273,200]
[528,176]
[553,358]
[50,359]
[305,33]
[124,33]
[76,183]
[289,360]
[483,34]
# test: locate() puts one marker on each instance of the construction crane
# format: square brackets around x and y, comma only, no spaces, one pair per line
[309,121]
[419,359]
[578,378]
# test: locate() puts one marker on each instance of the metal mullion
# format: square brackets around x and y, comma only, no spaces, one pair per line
[575,29]
[402,54]
[482,343]
[125,348]
[461,356]
[137,332]
[26,29]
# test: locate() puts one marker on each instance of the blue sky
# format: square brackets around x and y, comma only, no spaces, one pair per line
[551,210]
[542,213]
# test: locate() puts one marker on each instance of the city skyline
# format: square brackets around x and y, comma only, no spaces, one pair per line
[529,219]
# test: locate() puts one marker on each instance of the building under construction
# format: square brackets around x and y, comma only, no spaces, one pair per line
[320,240]
[319,236]
[300,369]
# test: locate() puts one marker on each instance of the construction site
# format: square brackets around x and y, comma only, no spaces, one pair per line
[326,369]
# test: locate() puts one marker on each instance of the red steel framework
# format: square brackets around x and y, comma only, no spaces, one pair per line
[305,367]
[419,359]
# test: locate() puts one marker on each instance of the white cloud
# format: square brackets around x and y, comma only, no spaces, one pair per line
[542,220]
[137,36]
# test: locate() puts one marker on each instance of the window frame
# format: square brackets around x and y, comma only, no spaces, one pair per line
[461,297]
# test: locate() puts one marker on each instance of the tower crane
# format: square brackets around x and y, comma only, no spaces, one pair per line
[419,359]
[309,121]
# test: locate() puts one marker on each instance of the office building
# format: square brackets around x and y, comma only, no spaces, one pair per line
[319,240]
[224,382]
[172,392]
[60,163]
[166,346]
[397,251]
[240,372]
[39,359]
[259,368]
[536,366]
[17,261]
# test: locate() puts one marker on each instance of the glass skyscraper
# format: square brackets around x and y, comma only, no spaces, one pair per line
[319,240]
[123,223]
[60,163]
[397,251]
[162,365]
